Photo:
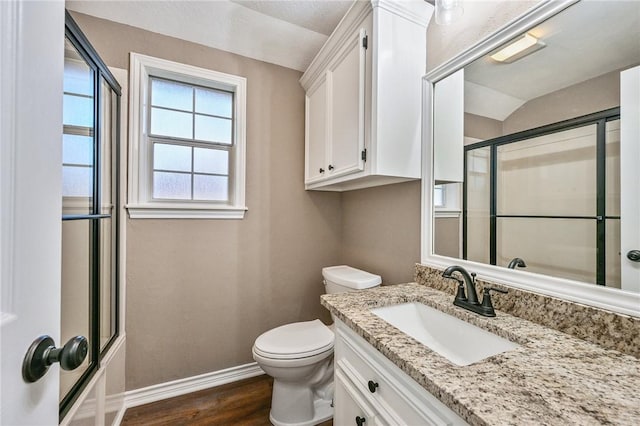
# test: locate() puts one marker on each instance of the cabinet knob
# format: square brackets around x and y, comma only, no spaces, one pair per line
[321,170]
[331,167]
[372,386]
[360,420]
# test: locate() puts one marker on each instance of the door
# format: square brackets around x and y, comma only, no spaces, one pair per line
[346,80]
[629,178]
[316,128]
[31,75]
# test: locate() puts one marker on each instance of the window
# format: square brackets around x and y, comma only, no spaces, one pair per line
[446,200]
[188,141]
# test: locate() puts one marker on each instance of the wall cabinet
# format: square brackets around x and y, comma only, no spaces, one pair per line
[364,98]
[368,386]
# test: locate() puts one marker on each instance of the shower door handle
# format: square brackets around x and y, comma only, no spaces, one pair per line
[634,255]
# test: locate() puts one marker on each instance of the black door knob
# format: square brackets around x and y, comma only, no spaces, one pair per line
[321,170]
[360,420]
[634,255]
[43,352]
[372,386]
[330,167]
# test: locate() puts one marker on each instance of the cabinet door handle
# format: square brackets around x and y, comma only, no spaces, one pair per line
[321,170]
[372,386]
[330,167]
[360,420]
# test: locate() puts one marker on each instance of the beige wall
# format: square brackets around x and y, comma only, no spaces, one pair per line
[381,230]
[200,291]
[594,95]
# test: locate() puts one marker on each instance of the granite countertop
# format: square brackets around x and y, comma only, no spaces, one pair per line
[552,378]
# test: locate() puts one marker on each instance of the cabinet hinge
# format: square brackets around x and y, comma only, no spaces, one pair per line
[363,155]
[365,42]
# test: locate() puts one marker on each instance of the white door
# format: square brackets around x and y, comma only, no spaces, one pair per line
[630,178]
[31,76]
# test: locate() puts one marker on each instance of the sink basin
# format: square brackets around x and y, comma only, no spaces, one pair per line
[456,340]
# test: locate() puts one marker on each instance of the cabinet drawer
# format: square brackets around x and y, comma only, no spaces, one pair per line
[397,397]
[350,404]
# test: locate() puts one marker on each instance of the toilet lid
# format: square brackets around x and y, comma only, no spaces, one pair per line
[297,340]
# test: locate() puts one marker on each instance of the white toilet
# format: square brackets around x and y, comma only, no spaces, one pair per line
[299,357]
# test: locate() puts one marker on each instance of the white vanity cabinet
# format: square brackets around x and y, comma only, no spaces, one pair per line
[364,98]
[369,386]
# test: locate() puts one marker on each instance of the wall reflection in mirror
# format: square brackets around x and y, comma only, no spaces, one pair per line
[541,155]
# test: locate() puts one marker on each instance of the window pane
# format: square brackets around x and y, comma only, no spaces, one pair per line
[558,247]
[77,111]
[171,157]
[210,188]
[175,186]
[549,175]
[78,77]
[76,278]
[478,205]
[77,181]
[213,161]
[171,123]
[613,168]
[171,95]
[613,259]
[107,282]
[213,129]
[214,102]
[438,196]
[77,150]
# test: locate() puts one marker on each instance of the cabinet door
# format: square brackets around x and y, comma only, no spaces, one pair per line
[350,408]
[346,80]
[316,132]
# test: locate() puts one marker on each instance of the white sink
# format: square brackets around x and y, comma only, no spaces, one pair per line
[456,340]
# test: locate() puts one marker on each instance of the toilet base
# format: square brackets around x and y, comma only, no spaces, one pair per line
[323,412]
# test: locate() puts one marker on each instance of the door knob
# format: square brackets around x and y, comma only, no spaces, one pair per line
[634,255]
[43,352]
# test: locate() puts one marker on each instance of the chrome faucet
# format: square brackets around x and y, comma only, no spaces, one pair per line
[516,261]
[469,300]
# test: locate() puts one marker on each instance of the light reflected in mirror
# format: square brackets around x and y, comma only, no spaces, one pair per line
[541,158]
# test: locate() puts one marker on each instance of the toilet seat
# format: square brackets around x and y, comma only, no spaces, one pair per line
[296,340]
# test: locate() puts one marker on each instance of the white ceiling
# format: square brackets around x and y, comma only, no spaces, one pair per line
[287,33]
[589,39]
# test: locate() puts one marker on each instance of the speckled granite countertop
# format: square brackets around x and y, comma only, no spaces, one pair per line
[552,378]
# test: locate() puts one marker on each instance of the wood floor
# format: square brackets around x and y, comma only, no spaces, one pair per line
[245,403]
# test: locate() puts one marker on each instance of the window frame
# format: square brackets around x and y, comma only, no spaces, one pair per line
[141,204]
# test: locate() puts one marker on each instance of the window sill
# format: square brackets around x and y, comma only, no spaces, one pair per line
[444,212]
[184,211]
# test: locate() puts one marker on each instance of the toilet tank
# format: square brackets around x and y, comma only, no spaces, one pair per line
[338,279]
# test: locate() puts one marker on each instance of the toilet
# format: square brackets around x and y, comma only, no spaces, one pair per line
[299,357]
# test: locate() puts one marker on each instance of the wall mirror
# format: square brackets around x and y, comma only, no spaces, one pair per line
[533,144]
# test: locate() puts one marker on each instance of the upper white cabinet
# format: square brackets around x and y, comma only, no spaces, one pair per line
[364,98]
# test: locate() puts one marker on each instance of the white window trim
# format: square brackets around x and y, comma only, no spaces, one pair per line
[140,202]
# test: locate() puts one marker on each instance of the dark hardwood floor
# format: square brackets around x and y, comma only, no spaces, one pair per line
[246,402]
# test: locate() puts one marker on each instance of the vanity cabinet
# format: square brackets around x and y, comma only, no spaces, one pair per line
[369,386]
[363,98]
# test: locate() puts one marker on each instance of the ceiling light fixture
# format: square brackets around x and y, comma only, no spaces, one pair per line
[448,11]
[519,48]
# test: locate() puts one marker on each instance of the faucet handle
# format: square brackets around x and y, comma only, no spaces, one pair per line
[486,299]
[473,277]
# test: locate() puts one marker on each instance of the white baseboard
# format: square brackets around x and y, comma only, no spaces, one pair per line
[179,387]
